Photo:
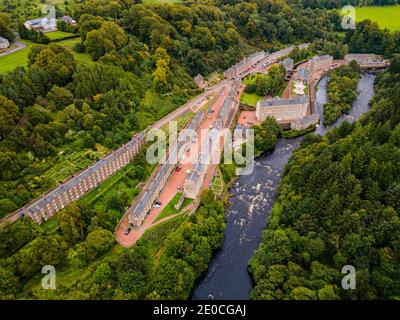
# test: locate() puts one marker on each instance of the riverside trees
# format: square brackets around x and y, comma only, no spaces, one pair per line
[338,205]
[341,91]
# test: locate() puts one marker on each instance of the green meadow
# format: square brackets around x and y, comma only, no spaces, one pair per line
[20,57]
[15,59]
[386,17]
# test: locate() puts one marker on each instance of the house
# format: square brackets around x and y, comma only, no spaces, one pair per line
[199,80]
[321,62]
[68,20]
[287,64]
[42,24]
[4,43]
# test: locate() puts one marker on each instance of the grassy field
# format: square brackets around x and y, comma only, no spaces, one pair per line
[30,9]
[386,17]
[20,57]
[170,209]
[250,99]
[55,35]
[15,59]
[80,57]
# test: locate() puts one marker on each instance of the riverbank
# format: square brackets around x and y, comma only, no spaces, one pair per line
[252,199]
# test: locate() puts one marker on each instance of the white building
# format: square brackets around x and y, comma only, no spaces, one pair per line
[4,43]
[42,24]
[68,20]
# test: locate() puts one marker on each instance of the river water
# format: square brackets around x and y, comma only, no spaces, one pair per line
[252,198]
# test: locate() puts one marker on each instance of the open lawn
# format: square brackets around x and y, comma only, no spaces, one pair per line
[170,209]
[117,184]
[15,59]
[250,99]
[56,35]
[386,17]
[80,57]
[20,57]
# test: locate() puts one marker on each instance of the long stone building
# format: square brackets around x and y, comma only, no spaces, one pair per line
[244,64]
[143,203]
[86,180]
[366,60]
[283,110]
[304,123]
[194,181]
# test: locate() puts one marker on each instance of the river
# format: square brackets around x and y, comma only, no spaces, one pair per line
[252,198]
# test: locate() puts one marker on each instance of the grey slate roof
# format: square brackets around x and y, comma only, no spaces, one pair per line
[281,102]
[73,182]
[321,58]
[145,198]
[303,72]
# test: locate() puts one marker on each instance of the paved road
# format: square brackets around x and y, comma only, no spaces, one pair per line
[20,46]
[176,180]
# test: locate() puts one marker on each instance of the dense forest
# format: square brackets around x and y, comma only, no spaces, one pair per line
[339,204]
[341,91]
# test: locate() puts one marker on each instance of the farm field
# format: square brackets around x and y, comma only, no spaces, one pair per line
[30,9]
[20,57]
[386,17]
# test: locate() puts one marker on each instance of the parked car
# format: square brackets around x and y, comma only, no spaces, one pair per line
[128,230]
[156,204]
[180,188]
[177,169]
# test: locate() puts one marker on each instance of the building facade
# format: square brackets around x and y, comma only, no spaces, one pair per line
[287,64]
[321,62]
[304,123]
[73,189]
[199,80]
[42,24]
[244,64]
[283,110]
[210,148]
[302,74]
[144,201]
[366,60]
